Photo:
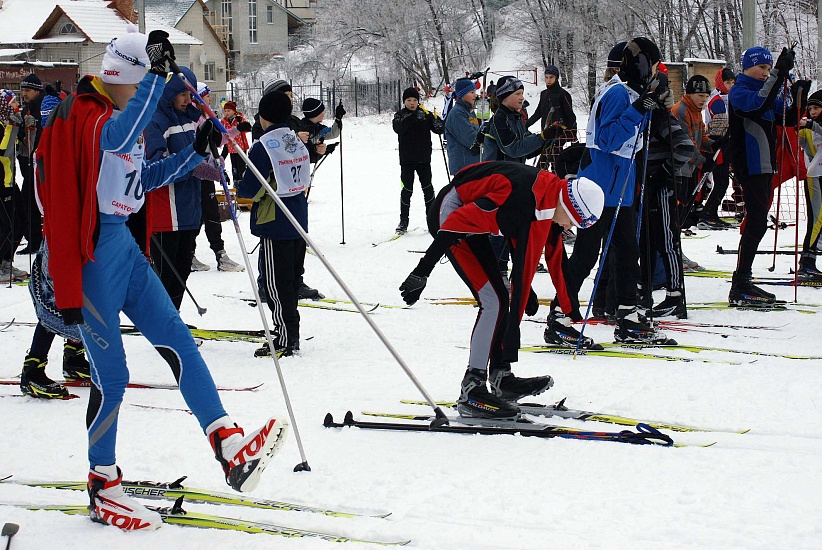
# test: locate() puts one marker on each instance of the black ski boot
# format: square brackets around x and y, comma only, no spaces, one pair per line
[305,292]
[402,228]
[560,332]
[671,306]
[476,401]
[745,294]
[630,329]
[34,382]
[511,388]
[808,272]
[265,351]
[75,364]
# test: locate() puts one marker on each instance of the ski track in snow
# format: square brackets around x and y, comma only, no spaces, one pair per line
[758,490]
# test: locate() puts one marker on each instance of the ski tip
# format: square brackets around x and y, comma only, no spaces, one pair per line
[596,347]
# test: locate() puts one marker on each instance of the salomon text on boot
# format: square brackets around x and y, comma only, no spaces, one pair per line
[244,457]
[476,401]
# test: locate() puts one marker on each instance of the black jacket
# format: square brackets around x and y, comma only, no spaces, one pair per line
[554,106]
[414,131]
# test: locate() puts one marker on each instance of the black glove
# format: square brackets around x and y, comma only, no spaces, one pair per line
[420,114]
[532,305]
[475,148]
[784,62]
[329,148]
[244,126]
[661,178]
[649,101]
[73,316]
[339,111]
[709,165]
[206,137]
[159,50]
[549,133]
[412,287]
[719,143]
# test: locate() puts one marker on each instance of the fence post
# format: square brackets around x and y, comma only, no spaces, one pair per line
[379,97]
[356,114]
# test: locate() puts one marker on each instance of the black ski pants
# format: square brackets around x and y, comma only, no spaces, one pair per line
[407,170]
[758,193]
[12,220]
[33,228]
[211,218]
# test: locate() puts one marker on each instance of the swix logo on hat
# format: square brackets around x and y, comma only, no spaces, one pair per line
[111,72]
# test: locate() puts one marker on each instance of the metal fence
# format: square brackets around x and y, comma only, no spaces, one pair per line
[358,98]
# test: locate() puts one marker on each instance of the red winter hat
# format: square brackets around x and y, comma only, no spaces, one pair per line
[230,105]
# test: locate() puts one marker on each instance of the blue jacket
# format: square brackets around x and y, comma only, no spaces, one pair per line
[507,138]
[461,129]
[754,110]
[611,137]
[178,206]
[279,229]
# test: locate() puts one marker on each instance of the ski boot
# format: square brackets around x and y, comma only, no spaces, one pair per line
[197,265]
[808,272]
[402,228]
[75,364]
[559,332]
[224,263]
[10,273]
[745,294]
[511,388]
[34,382]
[631,329]
[305,292]
[265,351]
[671,305]
[476,401]
[690,265]
[108,503]
[244,458]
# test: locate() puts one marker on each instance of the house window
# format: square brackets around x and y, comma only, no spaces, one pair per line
[252,21]
[226,12]
[208,71]
[269,14]
[66,60]
[68,28]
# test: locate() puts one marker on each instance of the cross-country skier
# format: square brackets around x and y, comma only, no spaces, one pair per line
[523,203]
[92,180]
[810,138]
[282,249]
[755,109]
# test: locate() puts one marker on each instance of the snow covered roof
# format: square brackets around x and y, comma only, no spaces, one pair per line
[168,12]
[13,52]
[27,21]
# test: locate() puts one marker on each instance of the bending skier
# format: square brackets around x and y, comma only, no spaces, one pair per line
[523,203]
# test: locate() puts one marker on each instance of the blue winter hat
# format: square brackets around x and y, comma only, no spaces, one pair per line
[552,69]
[756,55]
[464,86]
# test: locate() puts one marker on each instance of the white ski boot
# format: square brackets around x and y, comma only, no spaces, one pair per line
[110,505]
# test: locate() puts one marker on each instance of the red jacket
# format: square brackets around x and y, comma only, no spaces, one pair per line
[241,139]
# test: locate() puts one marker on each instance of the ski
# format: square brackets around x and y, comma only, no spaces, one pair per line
[153,490]
[231,335]
[624,351]
[559,410]
[175,515]
[698,349]
[671,323]
[645,435]
[394,237]
[324,303]
[720,250]
[785,282]
[133,385]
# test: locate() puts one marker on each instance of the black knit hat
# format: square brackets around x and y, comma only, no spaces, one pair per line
[275,107]
[728,74]
[312,107]
[816,98]
[279,85]
[410,92]
[32,82]
[697,84]
[615,55]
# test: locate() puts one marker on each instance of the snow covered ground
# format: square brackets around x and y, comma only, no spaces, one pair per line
[762,489]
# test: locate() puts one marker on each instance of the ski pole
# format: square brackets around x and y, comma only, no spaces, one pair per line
[441,418]
[311,178]
[781,155]
[342,190]
[200,310]
[9,530]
